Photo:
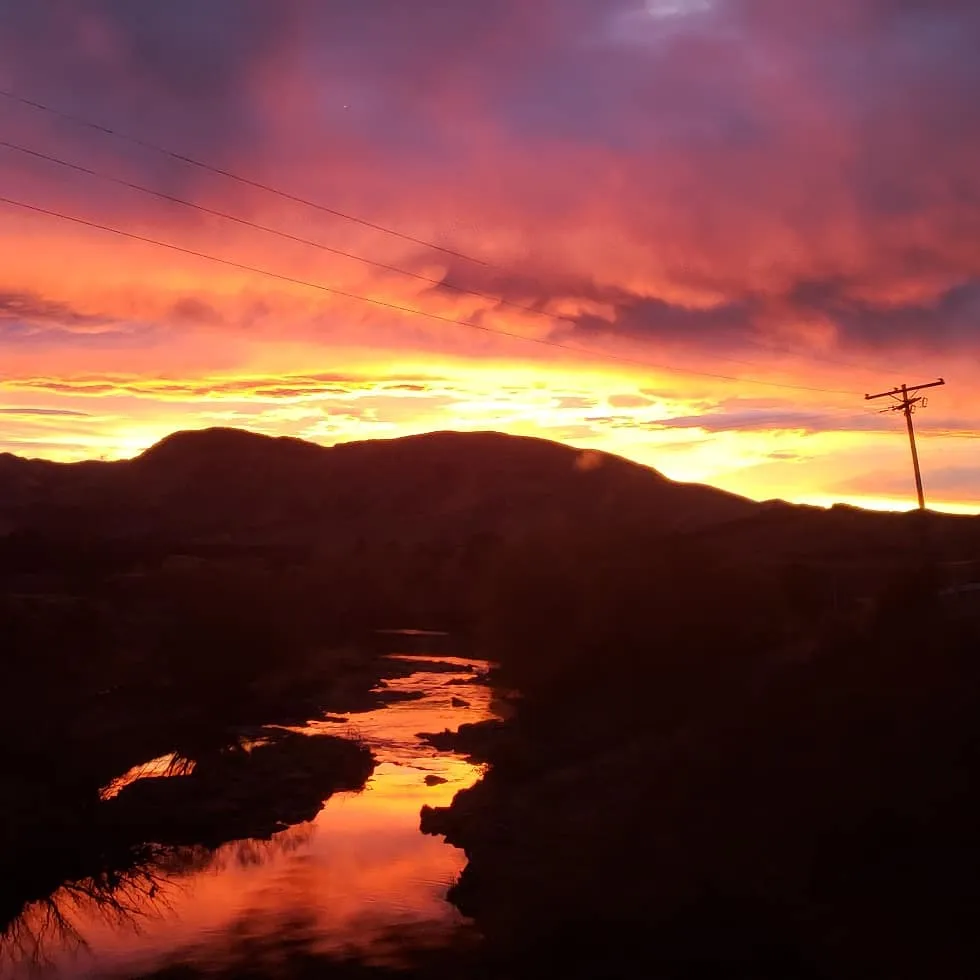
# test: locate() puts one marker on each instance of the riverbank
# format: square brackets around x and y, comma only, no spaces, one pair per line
[56,824]
[356,890]
[810,815]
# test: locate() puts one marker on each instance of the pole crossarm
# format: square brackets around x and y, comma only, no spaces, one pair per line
[898,392]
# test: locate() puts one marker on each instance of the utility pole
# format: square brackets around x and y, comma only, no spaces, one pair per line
[908,401]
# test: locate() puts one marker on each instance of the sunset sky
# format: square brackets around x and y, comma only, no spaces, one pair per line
[692,232]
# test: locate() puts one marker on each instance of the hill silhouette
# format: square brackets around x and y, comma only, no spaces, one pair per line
[447,499]
[219,481]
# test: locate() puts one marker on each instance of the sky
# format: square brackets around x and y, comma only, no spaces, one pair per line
[692,232]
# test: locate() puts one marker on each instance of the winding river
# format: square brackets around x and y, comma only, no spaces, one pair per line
[358,883]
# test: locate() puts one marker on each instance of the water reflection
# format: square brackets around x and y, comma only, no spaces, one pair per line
[170,764]
[49,929]
[358,884]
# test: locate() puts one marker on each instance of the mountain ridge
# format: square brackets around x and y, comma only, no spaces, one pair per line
[457,467]
[436,492]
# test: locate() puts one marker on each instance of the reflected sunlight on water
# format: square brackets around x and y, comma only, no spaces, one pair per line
[358,881]
[165,765]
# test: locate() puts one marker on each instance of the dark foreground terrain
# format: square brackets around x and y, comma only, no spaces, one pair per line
[807,814]
[747,739]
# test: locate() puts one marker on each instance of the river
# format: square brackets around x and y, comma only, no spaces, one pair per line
[358,883]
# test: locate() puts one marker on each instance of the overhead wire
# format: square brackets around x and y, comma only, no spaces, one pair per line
[287,195]
[238,178]
[299,239]
[397,307]
[278,232]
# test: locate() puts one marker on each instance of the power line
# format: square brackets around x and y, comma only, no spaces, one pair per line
[238,178]
[387,267]
[28,151]
[231,263]
[257,226]
[279,192]
[809,355]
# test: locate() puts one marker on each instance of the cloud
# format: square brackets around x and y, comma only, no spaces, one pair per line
[808,422]
[39,325]
[30,308]
[629,401]
[261,387]
[197,311]
[960,482]
[574,402]
[787,420]
[44,413]
[750,173]
[193,67]
[943,318]
[778,418]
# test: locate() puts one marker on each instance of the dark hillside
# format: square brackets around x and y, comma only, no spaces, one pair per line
[219,481]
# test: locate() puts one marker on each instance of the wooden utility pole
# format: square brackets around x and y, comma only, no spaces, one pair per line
[908,400]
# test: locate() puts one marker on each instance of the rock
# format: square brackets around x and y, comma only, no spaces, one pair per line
[459,703]
[394,667]
[386,697]
[477,740]
[239,794]
[434,780]
[463,817]
[432,820]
